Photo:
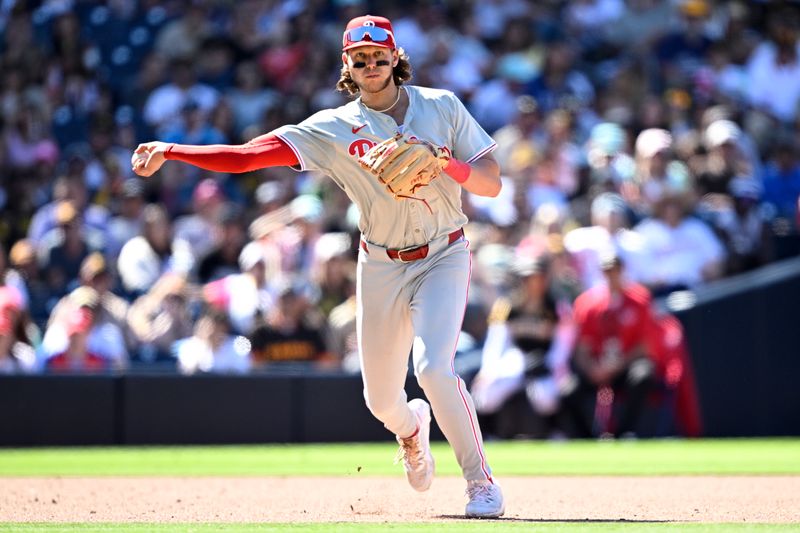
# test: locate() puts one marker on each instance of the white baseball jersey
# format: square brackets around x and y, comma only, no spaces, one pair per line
[401,306]
[332,140]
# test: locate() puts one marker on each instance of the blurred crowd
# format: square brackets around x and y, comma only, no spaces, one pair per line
[662,131]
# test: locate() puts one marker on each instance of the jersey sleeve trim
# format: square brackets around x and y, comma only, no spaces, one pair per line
[482,153]
[289,143]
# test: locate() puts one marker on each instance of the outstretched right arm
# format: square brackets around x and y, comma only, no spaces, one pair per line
[264,151]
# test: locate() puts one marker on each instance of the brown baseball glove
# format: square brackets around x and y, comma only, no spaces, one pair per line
[404,163]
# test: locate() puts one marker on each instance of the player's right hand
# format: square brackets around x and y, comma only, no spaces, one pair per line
[148,158]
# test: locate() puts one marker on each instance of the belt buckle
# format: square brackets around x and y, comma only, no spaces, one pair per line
[410,250]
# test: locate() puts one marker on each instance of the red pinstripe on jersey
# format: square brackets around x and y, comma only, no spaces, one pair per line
[472,422]
[481,153]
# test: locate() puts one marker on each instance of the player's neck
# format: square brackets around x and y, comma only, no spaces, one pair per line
[384,101]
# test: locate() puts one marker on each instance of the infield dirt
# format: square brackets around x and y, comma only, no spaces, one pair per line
[368,499]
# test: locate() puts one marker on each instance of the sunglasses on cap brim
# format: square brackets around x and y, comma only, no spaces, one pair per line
[371,34]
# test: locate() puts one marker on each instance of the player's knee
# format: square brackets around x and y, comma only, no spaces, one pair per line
[432,377]
[380,405]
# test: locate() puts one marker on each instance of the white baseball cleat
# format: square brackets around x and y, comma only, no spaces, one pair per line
[485,499]
[416,451]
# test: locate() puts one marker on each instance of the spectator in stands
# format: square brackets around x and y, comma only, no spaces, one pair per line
[144,258]
[25,140]
[682,250]
[342,338]
[743,228]
[72,188]
[610,230]
[245,296]
[723,77]
[78,353]
[638,26]
[490,269]
[681,51]
[546,226]
[106,163]
[82,316]
[525,130]
[230,238]
[63,249]
[95,274]
[565,283]
[773,69]
[610,164]
[198,228]
[271,195]
[493,102]
[11,277]
[298,240]
[725,160]
[152,74]
[216,65]
[161,317]
[129,220]
[163,107]
[249,98]
[37,298]
[525,353]
[292,331]
[193,127]
[591,16]
[613,323]
[746,142]
[657,173]
[782,183]
[182,38]
[213,348]
[332,269]
[17,356]
[562,155]
[561,84]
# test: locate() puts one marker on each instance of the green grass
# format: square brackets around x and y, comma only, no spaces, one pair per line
[440,527]
[668,457]
[665,457]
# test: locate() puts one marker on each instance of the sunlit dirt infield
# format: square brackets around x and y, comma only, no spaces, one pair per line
[369,499]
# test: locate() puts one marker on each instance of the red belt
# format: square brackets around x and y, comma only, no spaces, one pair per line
[420,252]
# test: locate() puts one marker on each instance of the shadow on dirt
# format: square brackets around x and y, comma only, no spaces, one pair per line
[564,520]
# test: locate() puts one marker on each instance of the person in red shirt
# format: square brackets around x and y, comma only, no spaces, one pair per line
[77,357]
[614,322]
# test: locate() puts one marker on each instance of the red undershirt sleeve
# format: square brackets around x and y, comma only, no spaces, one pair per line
[264,151]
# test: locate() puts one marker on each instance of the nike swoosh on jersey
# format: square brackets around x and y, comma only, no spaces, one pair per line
[356,129]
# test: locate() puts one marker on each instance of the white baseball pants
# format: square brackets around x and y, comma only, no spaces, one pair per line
[418,306]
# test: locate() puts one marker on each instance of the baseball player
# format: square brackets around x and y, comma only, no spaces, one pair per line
[615,328]
[402,154]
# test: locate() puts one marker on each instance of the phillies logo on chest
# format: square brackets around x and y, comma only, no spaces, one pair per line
[359,147]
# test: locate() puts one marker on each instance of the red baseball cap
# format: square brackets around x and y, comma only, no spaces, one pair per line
[368,30]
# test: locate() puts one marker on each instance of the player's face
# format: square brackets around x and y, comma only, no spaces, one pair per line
[371,67]
[613,276]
